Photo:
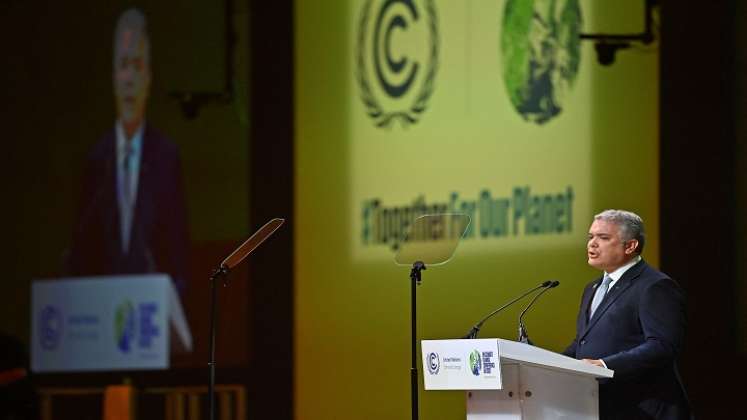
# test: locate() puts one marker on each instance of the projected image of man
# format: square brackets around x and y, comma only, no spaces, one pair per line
[631,320]
[132,216]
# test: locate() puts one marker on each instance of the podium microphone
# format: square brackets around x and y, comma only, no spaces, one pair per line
[523,336]
[476,329]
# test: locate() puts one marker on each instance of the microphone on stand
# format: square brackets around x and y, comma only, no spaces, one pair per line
[476,328]
[523,336]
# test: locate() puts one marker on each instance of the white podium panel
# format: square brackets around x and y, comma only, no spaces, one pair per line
[532,392]
[105,323]
[500,404]
[521,381]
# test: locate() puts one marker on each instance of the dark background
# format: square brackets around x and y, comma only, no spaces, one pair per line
[702,191]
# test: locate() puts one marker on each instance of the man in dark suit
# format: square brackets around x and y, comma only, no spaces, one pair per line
[632,320]
[132,213]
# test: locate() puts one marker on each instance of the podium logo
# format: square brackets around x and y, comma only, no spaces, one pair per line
[396,59]
[50,327]
[434,363]
[135,325]
[124,326]
[541,53]
[475,363]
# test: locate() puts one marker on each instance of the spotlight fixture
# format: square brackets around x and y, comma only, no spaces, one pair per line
[606,51]
[191,102]
[607,45]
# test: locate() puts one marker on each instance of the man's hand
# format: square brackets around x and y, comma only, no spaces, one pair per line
[595,362]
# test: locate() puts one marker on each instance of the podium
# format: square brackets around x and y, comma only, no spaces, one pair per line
[121,322]
[509,380]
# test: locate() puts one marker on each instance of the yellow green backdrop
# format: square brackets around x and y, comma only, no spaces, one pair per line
[468,142]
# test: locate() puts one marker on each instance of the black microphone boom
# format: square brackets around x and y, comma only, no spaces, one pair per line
[476,329]
[523,336]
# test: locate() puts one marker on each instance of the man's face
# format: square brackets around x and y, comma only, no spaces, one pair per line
[606,250]
[131,77]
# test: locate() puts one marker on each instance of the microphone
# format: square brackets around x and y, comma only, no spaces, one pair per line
[523,336]
[476,328]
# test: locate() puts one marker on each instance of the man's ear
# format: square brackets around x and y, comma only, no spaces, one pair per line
[631,246]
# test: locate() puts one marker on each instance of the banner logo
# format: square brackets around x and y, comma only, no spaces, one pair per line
[50,328]
[124,326]
[541,53]
[131,324]
[396,59]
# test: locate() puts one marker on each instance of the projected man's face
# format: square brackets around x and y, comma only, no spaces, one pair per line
[131,78]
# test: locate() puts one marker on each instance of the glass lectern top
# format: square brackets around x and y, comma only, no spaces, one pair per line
[432,239]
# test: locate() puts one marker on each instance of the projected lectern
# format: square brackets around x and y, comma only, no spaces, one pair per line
[122,322]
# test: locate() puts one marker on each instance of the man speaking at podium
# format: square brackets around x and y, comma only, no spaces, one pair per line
[132,217]
[632,320]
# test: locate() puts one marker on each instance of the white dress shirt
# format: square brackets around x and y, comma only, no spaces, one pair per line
[126,210]
[615,275]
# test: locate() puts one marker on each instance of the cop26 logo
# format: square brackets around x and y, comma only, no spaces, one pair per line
[124,326]
[475,363]
[135,325]
[396,59]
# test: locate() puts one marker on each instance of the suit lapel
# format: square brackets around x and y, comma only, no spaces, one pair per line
[586,302]
[113,223]
[613,294]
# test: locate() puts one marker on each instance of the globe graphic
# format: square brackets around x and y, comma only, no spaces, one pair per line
[475,363]
[541,53]
[124,325]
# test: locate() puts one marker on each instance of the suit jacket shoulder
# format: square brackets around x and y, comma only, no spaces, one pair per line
[158,145]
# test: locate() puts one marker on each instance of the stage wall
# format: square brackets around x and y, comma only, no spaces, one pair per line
[490,108]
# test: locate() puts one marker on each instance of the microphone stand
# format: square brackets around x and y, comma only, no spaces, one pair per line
[415,278]
[220,272]
[476,328]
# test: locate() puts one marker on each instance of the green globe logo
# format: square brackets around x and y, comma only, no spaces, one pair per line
[541,52]
[475,363]
[124,325]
